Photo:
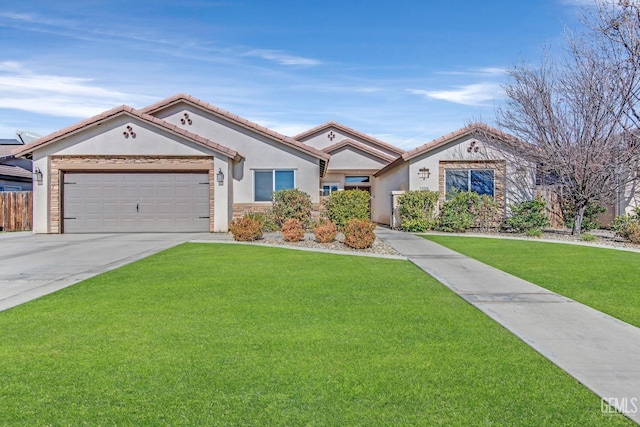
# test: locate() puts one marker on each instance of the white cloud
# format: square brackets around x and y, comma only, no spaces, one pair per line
[282,58]
[474,94]
[63,96]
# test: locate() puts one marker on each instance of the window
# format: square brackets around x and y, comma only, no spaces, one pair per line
[327,189]
[480,181]
[355,179]
[268,181]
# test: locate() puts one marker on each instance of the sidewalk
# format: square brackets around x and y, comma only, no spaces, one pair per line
[601,352]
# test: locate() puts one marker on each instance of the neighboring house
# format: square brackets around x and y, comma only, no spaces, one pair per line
[15,173]
[184,165]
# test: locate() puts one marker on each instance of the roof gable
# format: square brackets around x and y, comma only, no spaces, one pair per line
[354,133]
[237,120]
[474,128]
[360,147]
[116,112]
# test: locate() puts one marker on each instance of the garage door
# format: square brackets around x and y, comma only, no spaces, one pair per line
[135,202]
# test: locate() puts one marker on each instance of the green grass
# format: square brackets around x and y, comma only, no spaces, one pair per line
[605,279]
[211,334]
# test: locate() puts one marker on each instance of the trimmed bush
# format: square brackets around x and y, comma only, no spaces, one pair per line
[466,209]
[342,206]
[269,224]
[325,231]
[358,233]
[246,229]
[291,203]
[292,230]
[418,210]
[628,226]
[528,215]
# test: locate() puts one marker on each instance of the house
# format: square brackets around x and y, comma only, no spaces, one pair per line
[182,164]
[15,173]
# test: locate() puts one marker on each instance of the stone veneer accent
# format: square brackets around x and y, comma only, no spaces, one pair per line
[58,165]
[498,166]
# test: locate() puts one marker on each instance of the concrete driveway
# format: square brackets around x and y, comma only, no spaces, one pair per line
[32,265]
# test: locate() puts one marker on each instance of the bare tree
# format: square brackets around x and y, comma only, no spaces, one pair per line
[578,113]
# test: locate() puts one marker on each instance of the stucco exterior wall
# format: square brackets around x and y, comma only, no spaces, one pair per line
[396,179]
[104,148]
[349,158]
[331,136]
[519,175]
[259,152]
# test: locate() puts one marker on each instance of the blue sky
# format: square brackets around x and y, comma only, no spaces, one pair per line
[403,71]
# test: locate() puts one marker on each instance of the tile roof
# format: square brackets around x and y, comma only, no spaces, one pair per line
[359,146]
[346,129]
[477,128]
[16,171]
[123,109]
[247,124]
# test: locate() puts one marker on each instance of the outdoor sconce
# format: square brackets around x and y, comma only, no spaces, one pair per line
[220,177]
[424,173]
[37,176]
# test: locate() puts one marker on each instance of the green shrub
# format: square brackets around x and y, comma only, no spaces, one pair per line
[291,203]
[342,206]
[628,226]
[590,219]
[325,231]
[534,232]
[586,237]
[292,230]
[246,229]
[417,210]
[466,209]
[358,233]
[269,224]
[528,215]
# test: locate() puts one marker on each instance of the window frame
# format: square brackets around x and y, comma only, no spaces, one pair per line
[468,172]
[331,185]
[273,182]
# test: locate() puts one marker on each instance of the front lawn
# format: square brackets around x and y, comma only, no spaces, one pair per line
[213,334]
[605,279]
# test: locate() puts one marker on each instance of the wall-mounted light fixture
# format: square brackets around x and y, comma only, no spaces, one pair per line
[220,177]
[37,176]
[424,173]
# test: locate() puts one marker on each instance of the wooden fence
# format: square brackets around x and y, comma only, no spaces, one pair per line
[16,210]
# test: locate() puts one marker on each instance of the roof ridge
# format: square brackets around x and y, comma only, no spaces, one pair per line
[122,109]
[360,146]
[241,121]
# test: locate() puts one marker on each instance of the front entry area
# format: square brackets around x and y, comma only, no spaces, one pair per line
[108,202]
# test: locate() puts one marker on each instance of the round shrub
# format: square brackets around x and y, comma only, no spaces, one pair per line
[291,203]
[292,230]
[246,229]
[528,215]
[358,233]
[342,206]
[628,226]
[325,231]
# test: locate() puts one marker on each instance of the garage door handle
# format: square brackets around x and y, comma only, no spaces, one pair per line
[137,208]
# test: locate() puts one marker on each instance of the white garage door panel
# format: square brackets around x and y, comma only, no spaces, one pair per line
[136,202]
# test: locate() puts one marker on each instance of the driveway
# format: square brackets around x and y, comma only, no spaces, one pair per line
[33,265]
